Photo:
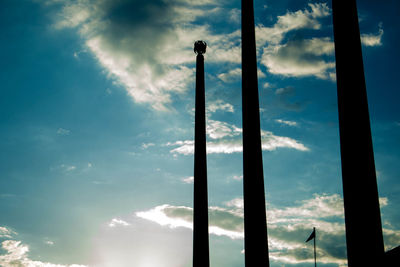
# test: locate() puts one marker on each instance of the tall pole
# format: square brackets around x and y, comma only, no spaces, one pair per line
[200,211]
[255,222]
[360,193]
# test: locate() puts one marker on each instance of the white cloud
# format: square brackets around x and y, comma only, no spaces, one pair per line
[62,131]
[184,147]
[217,105]
[141,81]
[288,227]
[118,222]
[147,145]
[235,15]
[300,19]
[6,232]
[237,177]
[270,142]
[173,217]
[285,122]
[300,58]
[188,180]
[320,206]
[159,216]
[234,75]
[67,168]
[226,141]
[383,201]
[16,254]
[371,39]
[49,242]
[297,58]
[231,76]
[317,211]
[220,129]
[236,202]
[73,14]
[286,235]
[391,238]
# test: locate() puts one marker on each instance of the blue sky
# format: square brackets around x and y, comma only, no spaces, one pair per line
[97,122]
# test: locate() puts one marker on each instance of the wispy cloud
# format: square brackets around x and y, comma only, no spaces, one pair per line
[6,232]
[270,142]
[371,39]
[67,168]
[173,217]
[286,122]
[147,145]
[288,227]
[62,131]
[118,222]
[167,215]
[188,180]
[16,254]
[237,177]
[219,105]
[49,242]
[219,129]
[301,19]
[233,75]
[226,140]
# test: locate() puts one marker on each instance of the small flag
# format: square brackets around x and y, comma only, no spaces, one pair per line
[312,236]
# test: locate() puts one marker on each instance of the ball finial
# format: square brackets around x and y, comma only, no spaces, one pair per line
[200,47]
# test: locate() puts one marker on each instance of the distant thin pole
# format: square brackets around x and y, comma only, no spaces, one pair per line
[313,236]
[315,248]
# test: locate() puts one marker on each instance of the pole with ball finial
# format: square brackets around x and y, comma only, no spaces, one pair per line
[200,210]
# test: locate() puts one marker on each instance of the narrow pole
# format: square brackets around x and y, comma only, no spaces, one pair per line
[315,248]
[360,192]
[200,210]
[255,221]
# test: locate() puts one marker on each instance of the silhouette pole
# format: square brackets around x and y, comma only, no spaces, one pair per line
[315,248]
[200,211]
[360,192]
[255,222]
[314,236]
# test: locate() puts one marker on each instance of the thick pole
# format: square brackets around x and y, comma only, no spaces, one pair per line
[200,213]
[255,223]
[360,192]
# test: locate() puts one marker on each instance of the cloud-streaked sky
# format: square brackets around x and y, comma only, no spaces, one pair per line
[97,124]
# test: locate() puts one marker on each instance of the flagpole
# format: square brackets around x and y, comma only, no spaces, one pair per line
[315,251]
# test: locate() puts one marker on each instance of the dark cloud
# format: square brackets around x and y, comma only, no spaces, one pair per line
[226,220]
[147,46]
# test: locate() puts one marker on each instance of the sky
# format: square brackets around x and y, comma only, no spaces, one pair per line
[97,125]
